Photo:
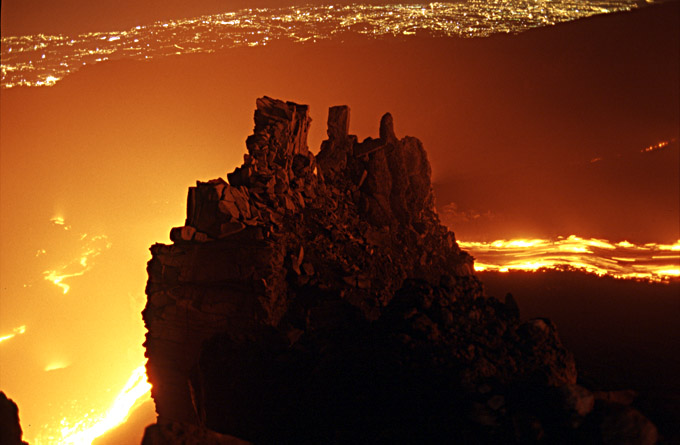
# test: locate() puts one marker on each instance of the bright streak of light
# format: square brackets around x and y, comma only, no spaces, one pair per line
[659,146]
[56,365]
[16,331]
[601,257]
[136,390]
[670,272]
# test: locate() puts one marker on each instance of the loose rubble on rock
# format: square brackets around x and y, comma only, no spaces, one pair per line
[318,299]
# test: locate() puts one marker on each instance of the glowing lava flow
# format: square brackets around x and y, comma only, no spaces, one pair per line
[58,276]
[651,261]
[56,365]
[59,221]
[15,332]
[659,146]
[93,246]
[136,391]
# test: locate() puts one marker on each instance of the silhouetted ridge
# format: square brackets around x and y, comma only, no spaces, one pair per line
[10,429]
[318,299]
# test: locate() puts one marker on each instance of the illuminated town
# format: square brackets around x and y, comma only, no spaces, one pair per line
[43,60]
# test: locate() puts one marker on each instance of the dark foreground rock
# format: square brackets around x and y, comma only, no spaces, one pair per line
[10,429]
[318,299]
[186,434]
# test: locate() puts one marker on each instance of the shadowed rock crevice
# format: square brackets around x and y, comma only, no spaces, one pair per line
[318,299]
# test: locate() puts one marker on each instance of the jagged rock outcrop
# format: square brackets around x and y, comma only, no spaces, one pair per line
[10,428]
[318,299]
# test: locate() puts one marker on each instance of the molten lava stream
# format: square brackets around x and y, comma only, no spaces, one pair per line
[650,261]
[84,431]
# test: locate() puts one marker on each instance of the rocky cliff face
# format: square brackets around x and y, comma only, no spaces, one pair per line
[318,299]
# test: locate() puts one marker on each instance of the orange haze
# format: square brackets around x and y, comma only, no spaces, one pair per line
[511,124]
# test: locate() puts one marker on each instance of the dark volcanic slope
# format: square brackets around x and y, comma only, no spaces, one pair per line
[319,300]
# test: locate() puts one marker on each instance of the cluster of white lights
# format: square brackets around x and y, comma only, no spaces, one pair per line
[43,60]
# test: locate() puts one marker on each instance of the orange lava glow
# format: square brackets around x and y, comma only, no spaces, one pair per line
[136,391]
[93,246]
[60,364]
[78,368]
[659,146]
[651,261]
[94,169]
[58,220]
[15,331]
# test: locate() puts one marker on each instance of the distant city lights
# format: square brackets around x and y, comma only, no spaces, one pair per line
[43,60]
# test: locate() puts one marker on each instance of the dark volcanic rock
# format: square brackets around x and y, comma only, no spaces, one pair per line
[623,425]
[318,299]
[186,434]
[10,428]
